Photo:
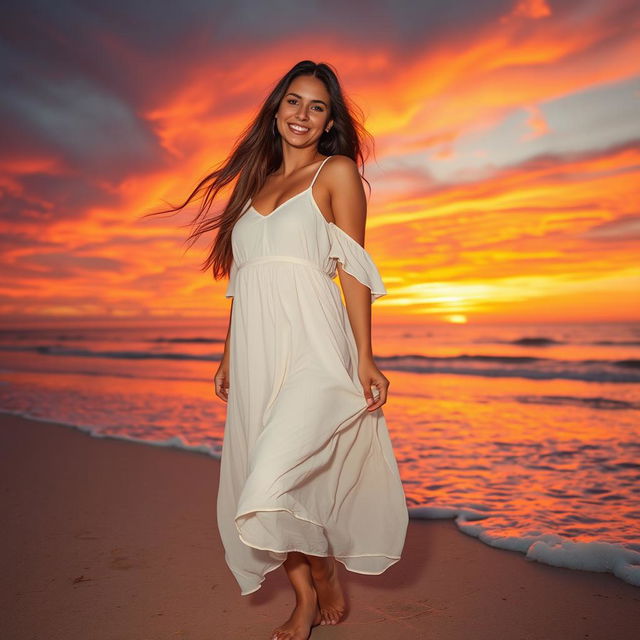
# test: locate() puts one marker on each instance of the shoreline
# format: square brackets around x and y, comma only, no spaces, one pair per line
[106,538]
[547,548]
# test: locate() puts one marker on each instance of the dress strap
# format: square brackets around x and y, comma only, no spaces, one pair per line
[318,171]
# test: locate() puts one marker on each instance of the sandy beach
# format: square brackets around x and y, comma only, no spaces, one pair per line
[107,539]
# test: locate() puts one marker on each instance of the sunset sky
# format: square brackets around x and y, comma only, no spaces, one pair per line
[506,182]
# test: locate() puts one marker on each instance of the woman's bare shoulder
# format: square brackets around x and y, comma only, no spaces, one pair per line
[341,171]
[339,160]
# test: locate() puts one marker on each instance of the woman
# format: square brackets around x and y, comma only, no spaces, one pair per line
[308,474]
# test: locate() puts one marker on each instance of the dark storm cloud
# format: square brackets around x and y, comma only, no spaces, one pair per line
[90,127]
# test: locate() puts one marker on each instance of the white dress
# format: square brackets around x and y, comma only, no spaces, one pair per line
[305,467]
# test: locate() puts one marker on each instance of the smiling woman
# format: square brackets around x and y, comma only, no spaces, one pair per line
[308,474]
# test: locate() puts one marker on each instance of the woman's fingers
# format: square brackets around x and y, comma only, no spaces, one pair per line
[381,385]
[221,387]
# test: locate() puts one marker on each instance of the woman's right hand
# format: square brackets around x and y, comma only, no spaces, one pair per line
[221,379]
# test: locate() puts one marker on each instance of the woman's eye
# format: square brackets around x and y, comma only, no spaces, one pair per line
[293,101]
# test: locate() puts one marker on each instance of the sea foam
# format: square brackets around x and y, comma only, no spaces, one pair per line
[546,548]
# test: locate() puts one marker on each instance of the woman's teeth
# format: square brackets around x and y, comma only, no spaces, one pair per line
[298,129]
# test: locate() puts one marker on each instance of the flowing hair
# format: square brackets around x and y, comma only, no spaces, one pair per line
[258,152]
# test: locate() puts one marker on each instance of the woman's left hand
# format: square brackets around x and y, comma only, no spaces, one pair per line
[370,375]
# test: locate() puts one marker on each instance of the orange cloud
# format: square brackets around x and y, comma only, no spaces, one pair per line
[529,235]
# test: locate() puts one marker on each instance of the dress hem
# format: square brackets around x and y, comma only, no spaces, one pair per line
[395,559]
[340,558]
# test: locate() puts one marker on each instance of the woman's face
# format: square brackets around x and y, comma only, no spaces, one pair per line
[304,110]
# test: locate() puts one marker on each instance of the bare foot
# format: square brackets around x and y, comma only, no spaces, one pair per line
[330,596]
[305,615]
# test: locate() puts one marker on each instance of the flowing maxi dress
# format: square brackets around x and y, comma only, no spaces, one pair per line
[304,466]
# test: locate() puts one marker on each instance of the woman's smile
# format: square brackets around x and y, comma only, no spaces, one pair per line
[298,129]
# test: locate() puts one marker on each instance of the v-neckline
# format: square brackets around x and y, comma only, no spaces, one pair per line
[288,200]
[268,215]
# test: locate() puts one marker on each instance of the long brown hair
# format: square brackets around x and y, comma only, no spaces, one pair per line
[258,152]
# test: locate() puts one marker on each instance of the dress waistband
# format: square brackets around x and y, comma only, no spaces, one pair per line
[304,261]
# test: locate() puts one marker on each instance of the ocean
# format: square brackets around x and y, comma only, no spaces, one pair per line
[527,435]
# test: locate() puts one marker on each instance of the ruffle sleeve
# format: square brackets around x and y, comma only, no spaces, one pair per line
[355,260]
[230,292]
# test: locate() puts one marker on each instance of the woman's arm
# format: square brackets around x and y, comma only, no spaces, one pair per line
[226,340]
[349,206]
[221,377]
